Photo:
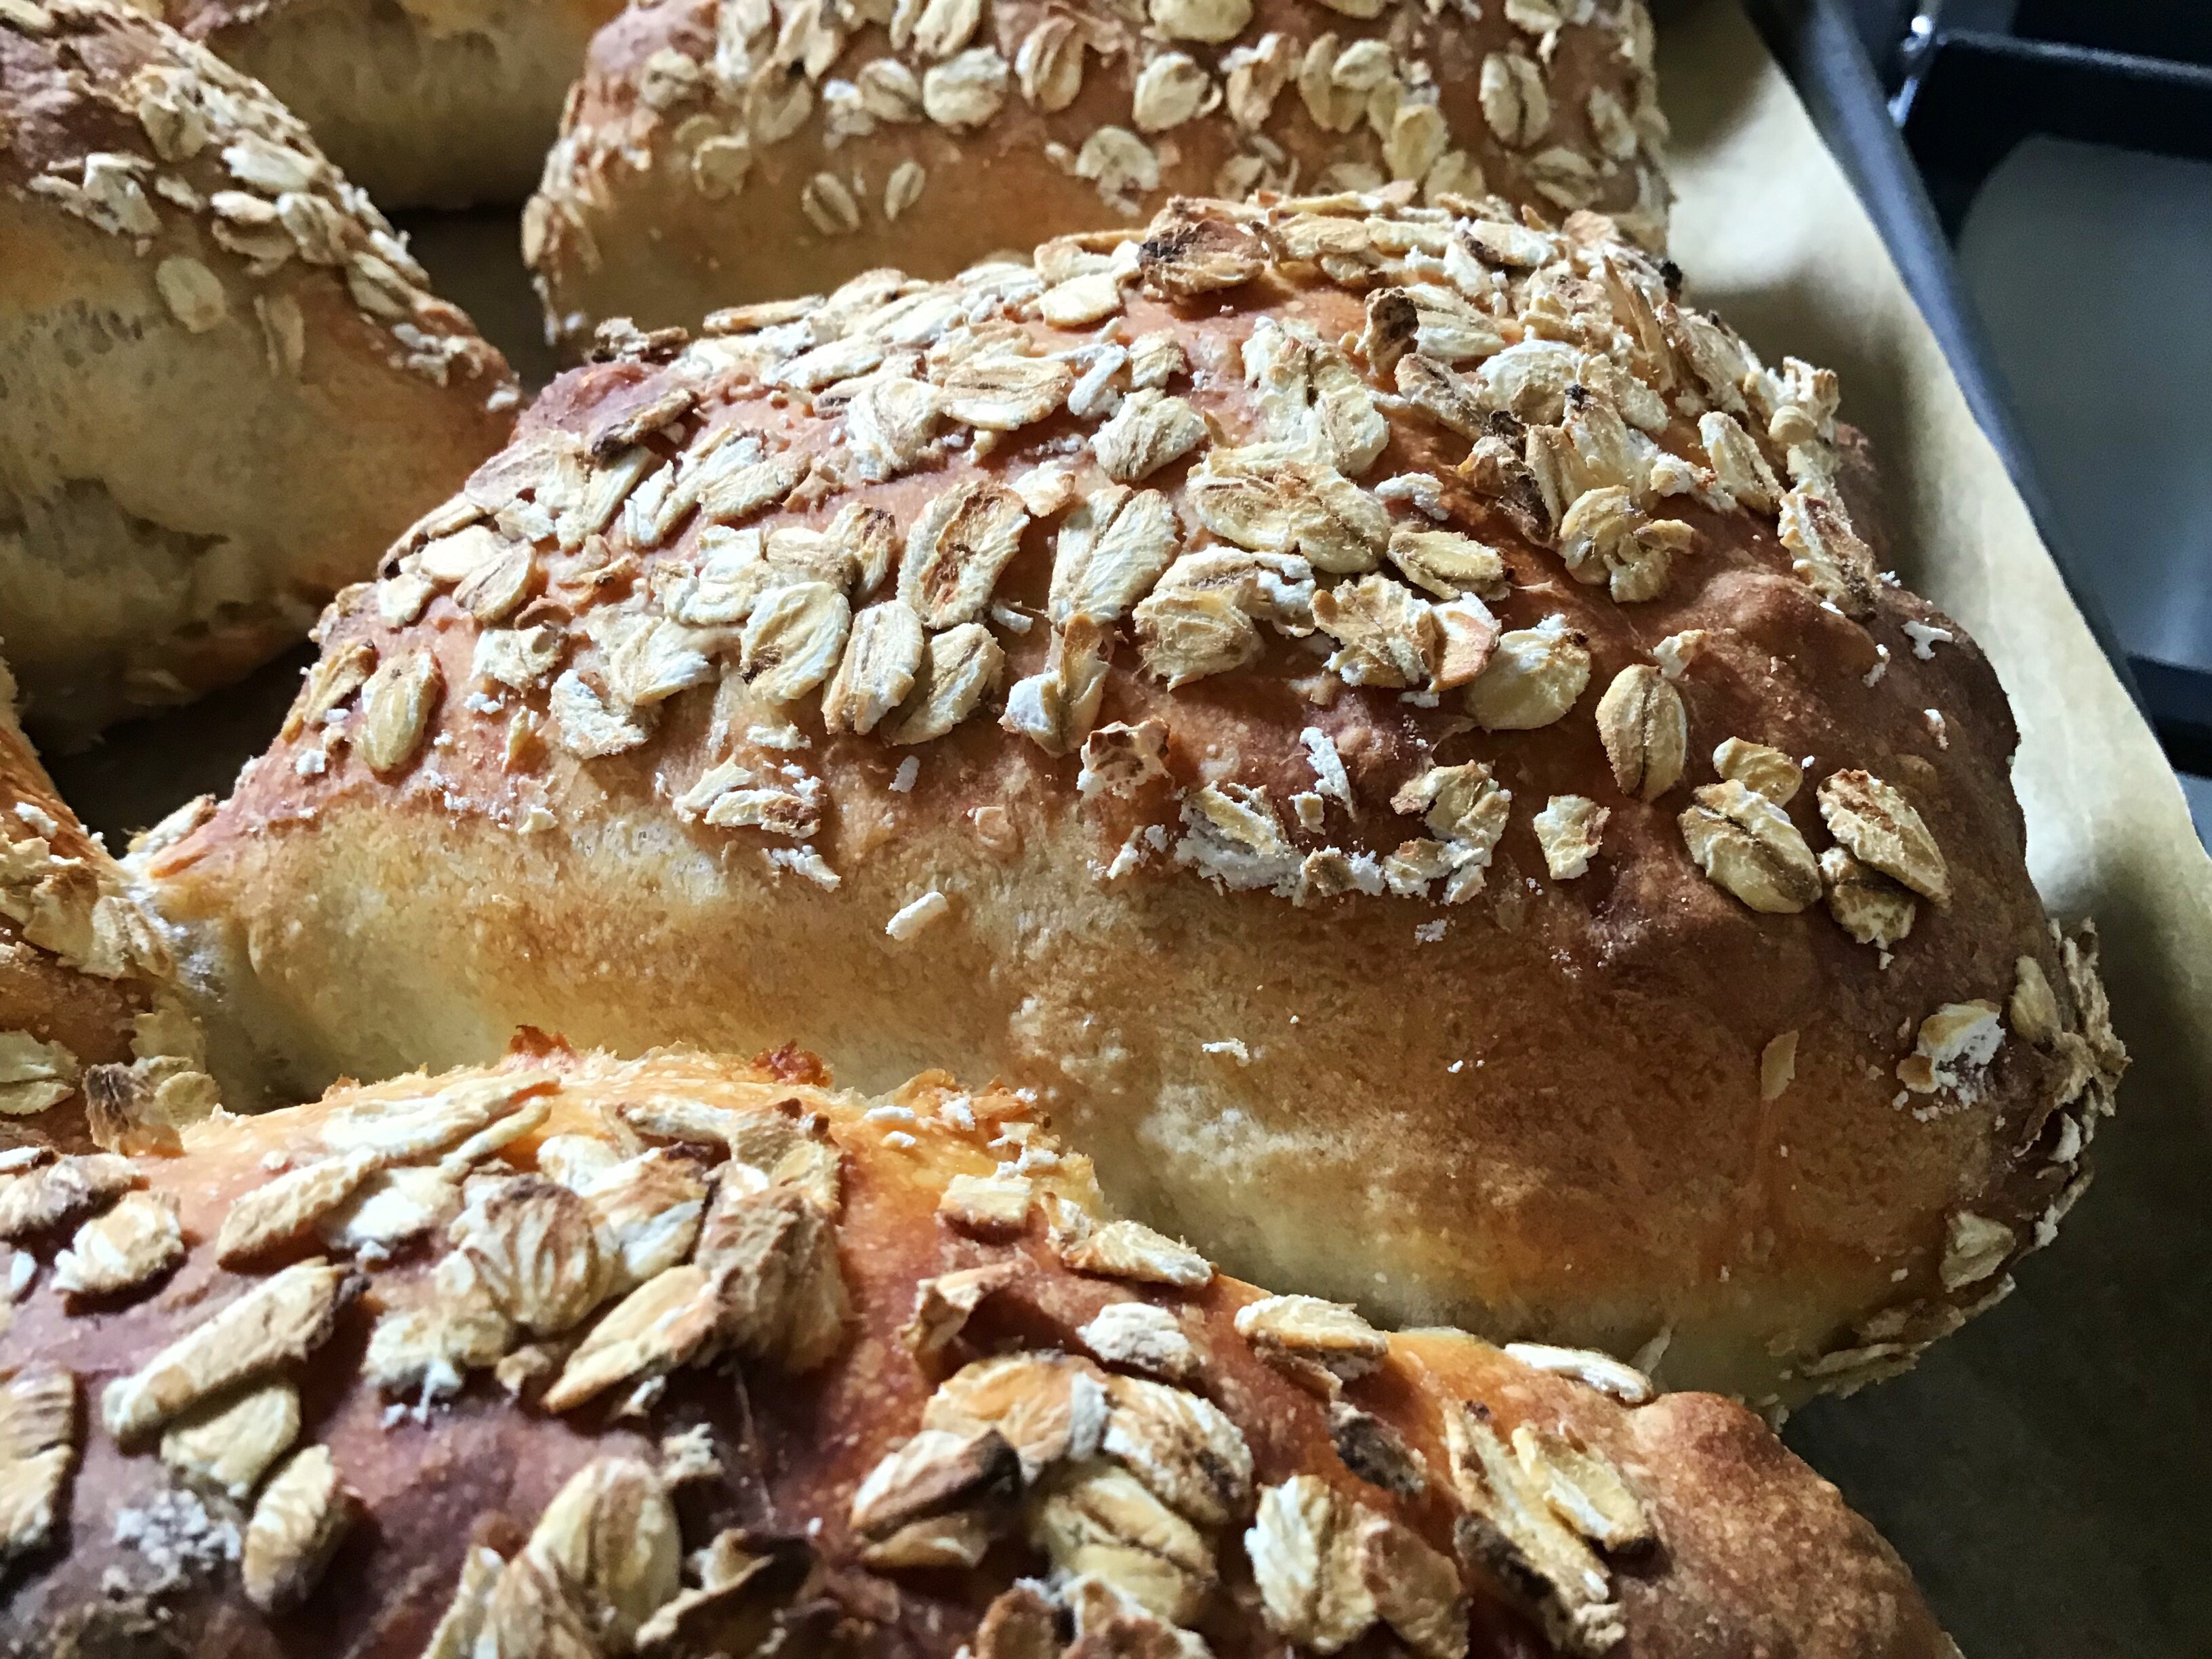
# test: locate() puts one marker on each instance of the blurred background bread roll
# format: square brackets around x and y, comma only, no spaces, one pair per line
[224,384]
[718,152]
[422,103]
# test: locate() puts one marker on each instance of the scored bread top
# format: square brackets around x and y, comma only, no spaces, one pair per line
[88,1010]
[721,151]
[677,1357]
[1426,616]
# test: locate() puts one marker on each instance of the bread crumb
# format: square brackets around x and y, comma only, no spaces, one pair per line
[1881,666]
[914,917]
[1925,638]
[908,771]
[1231,1047]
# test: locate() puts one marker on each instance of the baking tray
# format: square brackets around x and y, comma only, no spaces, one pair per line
[2044,1471]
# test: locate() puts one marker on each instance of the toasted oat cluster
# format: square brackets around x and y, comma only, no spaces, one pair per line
[610,570]
[95,1043]
[929,134]
[675,1358]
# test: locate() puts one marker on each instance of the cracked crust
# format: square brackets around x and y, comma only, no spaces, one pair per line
[188,276]
[1274,930]
[1723,1541]
[703,165]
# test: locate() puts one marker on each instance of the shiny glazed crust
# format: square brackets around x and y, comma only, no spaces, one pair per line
[1269,1473]
[223,385]
[718,152]
[1387,955]
[87,999]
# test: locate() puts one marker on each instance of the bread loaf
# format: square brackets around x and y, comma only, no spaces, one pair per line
[425,103]
[719,152]
[681,1358]
[96,1047]
[223,386]
[1382,718]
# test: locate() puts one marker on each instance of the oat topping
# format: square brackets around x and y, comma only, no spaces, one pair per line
[38,1448]
[1747,845]
[1212,510]
[278,1322]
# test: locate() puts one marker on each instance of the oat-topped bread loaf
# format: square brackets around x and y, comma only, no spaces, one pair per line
[677,1357]
[1384,719]
[719,152]
[223,386]
[92,1030]
[424,103]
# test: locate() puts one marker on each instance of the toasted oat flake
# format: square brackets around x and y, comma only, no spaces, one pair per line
[1534,677]
[1329,1334]
[1974,1246]
[958,668]
[1143,1338]
[1514,103]
[967,91]
[1125,1249]
[1867,904]
[1778,1065]
[665,1323]
[282,1212]
[1213,22]
[37,1199]
[1758,767]
[1644,728]
[1582,1489]
[987,1205]
[883,653]
[536,1245]
[1098,1519]
[132,1243]
[1568,830]
[193,294]
[937,1470]
[396,708]
[917,914]
[1598,1370]
[1880,828]
[1151,430]
[2032,1008]
[298,1524]
[38,1449]
[610,1541]
[1746,843]
[230,1443]
[1953,1044]
[1512,1529]
[943,1303]
[280,1320]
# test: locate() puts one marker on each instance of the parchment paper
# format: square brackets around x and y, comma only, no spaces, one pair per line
[2048,1471]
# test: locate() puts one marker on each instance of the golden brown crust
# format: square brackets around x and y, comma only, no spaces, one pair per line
[87,993]
[716,154]
[188,276]
[1712,1538]
[423,103]
[1493,967]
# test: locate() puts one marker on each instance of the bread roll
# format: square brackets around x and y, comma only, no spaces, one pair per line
[222,384]
[575,1357]
[95,1045]
[425,103]
[719,152]
[1481,849]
